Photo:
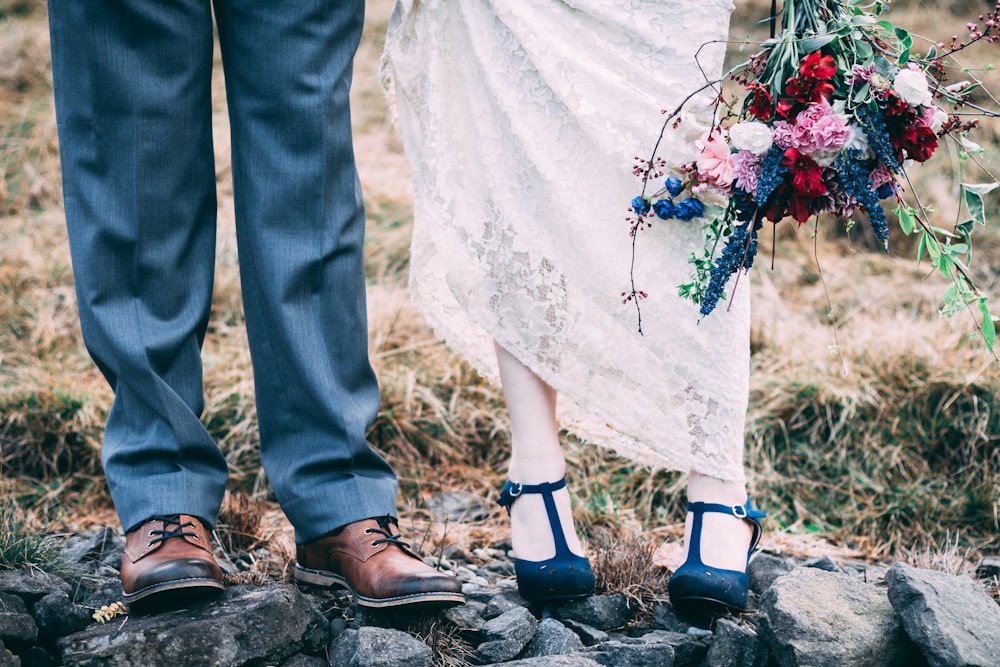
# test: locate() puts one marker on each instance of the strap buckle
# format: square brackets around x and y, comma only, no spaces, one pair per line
[739,511]
[514,489]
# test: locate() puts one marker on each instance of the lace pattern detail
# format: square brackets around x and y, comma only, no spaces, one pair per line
[521,120]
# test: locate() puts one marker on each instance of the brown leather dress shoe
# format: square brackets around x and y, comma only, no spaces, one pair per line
[168,553]
[368,559]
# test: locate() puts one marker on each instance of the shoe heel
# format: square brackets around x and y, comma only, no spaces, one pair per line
[702,592]
[565,576]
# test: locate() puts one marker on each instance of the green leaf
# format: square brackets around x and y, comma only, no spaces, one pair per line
[974,199]
[946,265]
[958,248]
[988,326]
[921,247]
[965,228]
[811,44]
[906,218]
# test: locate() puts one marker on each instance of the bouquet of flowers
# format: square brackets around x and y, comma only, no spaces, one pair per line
[835,107]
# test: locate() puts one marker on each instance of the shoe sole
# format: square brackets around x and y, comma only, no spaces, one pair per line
[702,610]
[304,575]
[193,585]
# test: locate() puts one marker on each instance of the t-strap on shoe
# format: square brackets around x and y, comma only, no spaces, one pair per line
[702,591]
[565,576]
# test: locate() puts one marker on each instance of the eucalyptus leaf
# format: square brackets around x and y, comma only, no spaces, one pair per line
[973,193]
[988,326]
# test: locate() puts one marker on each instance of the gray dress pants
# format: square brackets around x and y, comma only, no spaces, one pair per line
[132,90]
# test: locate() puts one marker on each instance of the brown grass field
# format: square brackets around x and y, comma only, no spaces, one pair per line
[873,424]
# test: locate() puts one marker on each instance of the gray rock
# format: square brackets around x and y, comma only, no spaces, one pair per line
[764,569]
[501,569]
[99,544]
[379,647]
[604,612]
[588,635]
[458,506]
[507,635]
[497,606]
[17,628]
[245,624]
[552,638]
[550,661]
[951,619]
[303,660]
[477,593]
[8,659]
[57,616]
[733,645]
[823,563]
[989,569]
[688,649]
[468,617]
[665,618]
[826,619]
[30,585]
[628,654]
[12,604]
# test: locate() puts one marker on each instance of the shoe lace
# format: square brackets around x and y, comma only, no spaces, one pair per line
[167,532]
[385,529]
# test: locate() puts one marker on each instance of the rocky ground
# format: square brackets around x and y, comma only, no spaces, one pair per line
[818,612]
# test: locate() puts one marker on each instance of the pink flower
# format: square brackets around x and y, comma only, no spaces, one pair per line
[830,133]
[813,128]
[880,176]
[715,161]
[747,170]
[783,134]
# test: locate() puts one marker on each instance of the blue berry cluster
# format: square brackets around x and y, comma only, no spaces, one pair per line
[878,134]
[772,172]
[857,182]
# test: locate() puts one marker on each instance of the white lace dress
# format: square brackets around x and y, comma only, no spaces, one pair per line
[521,119]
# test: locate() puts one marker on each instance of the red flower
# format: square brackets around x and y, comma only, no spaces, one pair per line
[894,106]
[760,102]
[919,142]
[802,91]
[807,176]
[798,208]
[818,66]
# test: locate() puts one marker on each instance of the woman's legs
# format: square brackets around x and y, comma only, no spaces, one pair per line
[724,539]
[536,457]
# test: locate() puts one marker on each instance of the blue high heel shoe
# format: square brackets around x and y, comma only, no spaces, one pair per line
[565,576]
[700,591]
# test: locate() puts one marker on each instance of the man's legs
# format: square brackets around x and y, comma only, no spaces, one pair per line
[300,230]
[132,88]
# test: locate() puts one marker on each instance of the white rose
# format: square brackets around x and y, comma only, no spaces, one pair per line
[859,141]
[911,86]
[751,136]
[938,120]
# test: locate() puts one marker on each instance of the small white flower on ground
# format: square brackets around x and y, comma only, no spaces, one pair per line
[911,86]
[752,136]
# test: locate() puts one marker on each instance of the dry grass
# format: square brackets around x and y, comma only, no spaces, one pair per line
[623,563]
[899,451]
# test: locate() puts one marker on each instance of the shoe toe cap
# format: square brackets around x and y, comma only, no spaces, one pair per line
[178,569]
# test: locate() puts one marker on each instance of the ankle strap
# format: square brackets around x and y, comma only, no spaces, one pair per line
[745,511]
[511,491]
